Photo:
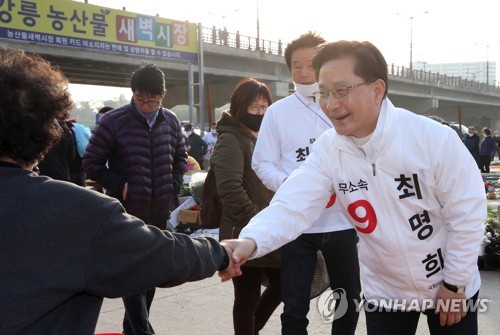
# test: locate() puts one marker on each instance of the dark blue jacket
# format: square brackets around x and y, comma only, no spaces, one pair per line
[472,143]
[124,149]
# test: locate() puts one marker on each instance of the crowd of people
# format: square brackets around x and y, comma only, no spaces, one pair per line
[484,151]
[301,180]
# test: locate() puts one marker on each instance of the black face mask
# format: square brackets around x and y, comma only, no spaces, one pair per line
[253,122]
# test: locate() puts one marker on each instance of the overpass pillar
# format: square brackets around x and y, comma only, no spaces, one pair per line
[426,106]
[177,95]
[217,95]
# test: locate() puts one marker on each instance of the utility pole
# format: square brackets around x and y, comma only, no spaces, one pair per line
[257,42]
[411,38]
[487,65]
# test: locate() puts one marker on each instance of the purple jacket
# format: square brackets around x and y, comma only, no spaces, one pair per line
[487,146]
[123,149]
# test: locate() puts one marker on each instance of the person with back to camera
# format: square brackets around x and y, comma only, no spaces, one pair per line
[101,112]
[137,153]
[286,138]
[242,195]
[65,247]
[62,161]
[197,148]
[495,138]
[419,211]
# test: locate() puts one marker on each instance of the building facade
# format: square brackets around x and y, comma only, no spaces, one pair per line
[483,72]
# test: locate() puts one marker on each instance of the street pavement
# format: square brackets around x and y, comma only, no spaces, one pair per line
[204,307]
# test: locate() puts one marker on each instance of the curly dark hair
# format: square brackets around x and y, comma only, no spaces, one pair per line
[34,96]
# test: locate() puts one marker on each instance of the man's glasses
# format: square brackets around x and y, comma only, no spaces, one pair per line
[339,91]
[256,108]
[150,104]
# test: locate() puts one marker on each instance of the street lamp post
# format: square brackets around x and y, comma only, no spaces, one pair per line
[487,61]
[487,65]
[224,17]
[226,14]
[423,63]
[411,38]
[257,44]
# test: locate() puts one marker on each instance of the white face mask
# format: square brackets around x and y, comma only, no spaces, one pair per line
[309,91]
[213,131]
[188,133]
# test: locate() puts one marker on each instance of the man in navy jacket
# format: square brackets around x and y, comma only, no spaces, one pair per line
[138,154]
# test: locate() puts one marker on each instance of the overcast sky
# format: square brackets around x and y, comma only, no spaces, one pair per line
[451,31]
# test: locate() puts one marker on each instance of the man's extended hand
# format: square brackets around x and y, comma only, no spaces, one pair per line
[233,269]
[454,306]
[239,251]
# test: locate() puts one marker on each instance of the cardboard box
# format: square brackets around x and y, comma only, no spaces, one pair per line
[174,216]
[189,216]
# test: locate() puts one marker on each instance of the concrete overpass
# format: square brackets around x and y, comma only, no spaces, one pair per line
[228,60]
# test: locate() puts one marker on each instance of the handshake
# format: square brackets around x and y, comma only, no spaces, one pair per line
[238,250]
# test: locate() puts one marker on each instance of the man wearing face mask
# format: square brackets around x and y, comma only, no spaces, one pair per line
[210,139]
[279,151]
[138,154]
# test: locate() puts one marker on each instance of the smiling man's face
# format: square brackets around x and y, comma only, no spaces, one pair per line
[356,113]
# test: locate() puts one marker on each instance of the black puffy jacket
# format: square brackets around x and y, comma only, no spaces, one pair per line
[124,149]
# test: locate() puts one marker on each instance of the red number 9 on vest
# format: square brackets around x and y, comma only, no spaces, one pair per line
[363,212]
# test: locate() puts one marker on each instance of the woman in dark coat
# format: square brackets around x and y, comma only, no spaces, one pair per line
[242,196]
[488,146]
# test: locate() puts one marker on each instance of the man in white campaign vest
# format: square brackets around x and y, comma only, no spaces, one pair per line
[286,137]
[419,211]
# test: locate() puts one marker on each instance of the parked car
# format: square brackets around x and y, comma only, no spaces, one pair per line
[436,118]
[460,129]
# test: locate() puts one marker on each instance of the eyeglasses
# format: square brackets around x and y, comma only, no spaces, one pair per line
[339,91]
[256,108]
[151,104]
